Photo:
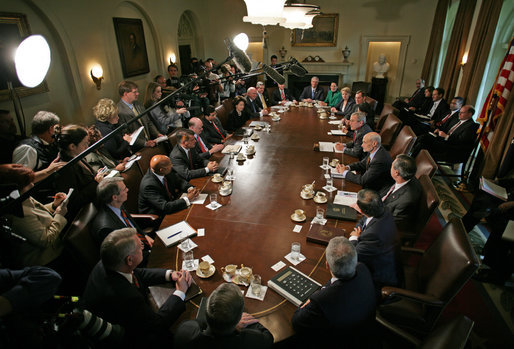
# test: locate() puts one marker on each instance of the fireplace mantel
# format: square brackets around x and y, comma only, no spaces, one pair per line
[327,68]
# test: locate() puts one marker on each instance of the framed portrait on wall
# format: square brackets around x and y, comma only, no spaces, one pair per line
[14,28]
[323,32]
[130,38]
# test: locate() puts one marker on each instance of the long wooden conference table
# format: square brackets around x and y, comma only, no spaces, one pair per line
[254,225]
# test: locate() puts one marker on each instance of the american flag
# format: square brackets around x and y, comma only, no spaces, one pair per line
[502,88]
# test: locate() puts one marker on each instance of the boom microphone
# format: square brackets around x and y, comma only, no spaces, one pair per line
[297,69]
[273,74]
[240,58]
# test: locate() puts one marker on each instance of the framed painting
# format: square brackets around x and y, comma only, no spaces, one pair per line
[14,28]
[323,32]
[130,37]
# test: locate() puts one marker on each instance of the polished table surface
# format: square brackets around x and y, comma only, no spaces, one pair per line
[254,226]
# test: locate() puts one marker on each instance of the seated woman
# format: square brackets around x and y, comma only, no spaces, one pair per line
[41,225]
[346,105]
[238,117]
[101,158]
[164,117]
[333,96]
[73,140]
[106,113]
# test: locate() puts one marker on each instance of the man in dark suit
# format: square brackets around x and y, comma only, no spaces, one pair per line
[344,309]
[262,96]
[253,107]
[415,101]
[111,194]
[281,95]
[374,238]
[456,143]
[117,291]
[128,107]
[313,92]
[161,188]
[226,325]
[373,171]
[202,147]
[437,111]
[360,128]
[213,130]
[186,161]
[403,196]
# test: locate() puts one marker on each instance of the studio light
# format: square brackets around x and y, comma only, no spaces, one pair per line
[241,41]
[32,60]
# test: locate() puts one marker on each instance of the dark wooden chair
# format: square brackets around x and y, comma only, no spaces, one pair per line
[386,110]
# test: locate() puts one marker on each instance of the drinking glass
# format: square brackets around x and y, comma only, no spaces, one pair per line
[325,162]
[320,213]
[230,173]
[245,140]
[295,251]
[256,285]
[188,259]
[214,198]
[184,241]
[330,183]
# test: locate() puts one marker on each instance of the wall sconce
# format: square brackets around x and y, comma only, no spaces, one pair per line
[97,74]
[464,59]
[172,58]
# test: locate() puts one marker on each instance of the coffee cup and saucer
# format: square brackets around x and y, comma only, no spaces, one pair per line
[255,137]
[320,197]
[240,157]
[298,215]
[323,115]
[257,128]
[217,178]
[334,162]
[250,150]
[205,269]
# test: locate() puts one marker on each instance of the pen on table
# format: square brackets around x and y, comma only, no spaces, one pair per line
[172,235]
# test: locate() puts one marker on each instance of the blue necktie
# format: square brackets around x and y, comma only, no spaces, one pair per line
[312,94]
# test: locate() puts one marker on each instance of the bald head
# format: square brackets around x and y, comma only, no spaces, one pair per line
[371,142]
[252,93]
[161,165]
[196,125]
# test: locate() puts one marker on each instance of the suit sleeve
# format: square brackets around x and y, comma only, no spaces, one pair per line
[374,171]
[309,317]
[182,169]
[154,196]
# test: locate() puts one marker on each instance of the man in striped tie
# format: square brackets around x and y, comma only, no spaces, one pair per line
[203,148]
[360,128]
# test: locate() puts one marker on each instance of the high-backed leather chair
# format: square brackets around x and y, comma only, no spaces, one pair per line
[442,271]
[79,241]
[389,130]
[222,114]
[132,179]
[403,143]
[427,204]
[363,86]
[147,154]
[372,102]
[228,104]
[425,164]
[386,110]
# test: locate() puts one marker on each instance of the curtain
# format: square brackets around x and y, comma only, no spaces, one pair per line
[479,50]
[497,148]
[457,47]
[434,45]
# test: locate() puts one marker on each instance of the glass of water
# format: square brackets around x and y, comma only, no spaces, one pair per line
[256,285]
[214,198]
[295,251]
[188,260]
[230,174]
[330,183]
[320,213]
[325,162]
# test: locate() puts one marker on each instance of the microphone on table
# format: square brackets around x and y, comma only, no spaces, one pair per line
[273,74]
[240,57]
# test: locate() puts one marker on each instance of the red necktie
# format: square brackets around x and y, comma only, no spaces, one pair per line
[134,280]
[190,160]
[444,120]
[389,192]
[201,144]
[129,224]
[283,95]
[454,127]
[217,129]
[165,182]
[368,161]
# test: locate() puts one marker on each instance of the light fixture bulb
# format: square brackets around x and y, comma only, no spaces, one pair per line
[172,58]
[32,60]
[97,71]
[241,41]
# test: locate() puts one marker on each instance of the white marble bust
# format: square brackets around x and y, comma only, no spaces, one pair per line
[381,67]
